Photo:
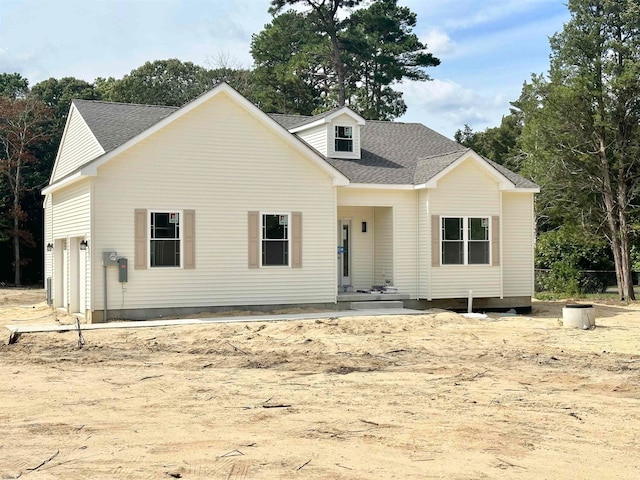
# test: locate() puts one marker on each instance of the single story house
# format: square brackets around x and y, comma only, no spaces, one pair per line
[155,210]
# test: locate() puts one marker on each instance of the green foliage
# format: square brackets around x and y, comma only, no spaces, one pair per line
[327,56]
[567,253]
[13,85]
[380,49]
[582,126]
[292,65]
[162,82]
[500,144]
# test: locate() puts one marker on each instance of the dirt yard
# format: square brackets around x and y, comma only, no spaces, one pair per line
[397,397]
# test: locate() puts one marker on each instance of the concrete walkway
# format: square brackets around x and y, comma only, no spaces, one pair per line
[15,331]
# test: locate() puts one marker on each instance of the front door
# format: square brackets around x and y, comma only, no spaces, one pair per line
[344,252]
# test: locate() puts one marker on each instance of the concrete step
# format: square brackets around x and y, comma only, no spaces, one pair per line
[376,305]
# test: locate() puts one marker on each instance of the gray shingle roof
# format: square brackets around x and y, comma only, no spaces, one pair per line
[114,123]
[400,153]
[393,153]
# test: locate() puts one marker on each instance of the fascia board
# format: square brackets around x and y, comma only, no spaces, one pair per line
[329,118]
[62,183]
[382,186]
[345,110]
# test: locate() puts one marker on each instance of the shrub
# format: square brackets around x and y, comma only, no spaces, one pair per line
[566,253]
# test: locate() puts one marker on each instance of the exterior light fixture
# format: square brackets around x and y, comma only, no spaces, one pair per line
[84,245]
[49,247]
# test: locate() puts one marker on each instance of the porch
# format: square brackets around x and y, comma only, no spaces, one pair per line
[365,253]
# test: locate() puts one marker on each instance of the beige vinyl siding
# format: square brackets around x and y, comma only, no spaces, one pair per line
[221,162]
[347,121]
[78,146]
[468,190]
[517,243]
[362,244]
[383,245]
[71,221]
[403,204]
[71,210]
[316,137]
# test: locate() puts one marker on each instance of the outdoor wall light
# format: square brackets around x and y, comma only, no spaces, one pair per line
[84,245]
[49,247]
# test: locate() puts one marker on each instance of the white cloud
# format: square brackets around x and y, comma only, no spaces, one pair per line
[446,106]
[438,42]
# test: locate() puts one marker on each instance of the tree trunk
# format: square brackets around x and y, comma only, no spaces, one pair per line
[625,244]
[612,217]
[339,66]
[16,228]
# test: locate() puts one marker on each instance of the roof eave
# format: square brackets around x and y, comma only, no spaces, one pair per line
[65,182]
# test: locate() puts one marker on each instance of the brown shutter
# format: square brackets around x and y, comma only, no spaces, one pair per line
[140,233]
[495,241]
[189,235]
[254,239]
[435,240]
[296,240]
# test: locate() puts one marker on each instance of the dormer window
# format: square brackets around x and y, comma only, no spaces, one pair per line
[344,139]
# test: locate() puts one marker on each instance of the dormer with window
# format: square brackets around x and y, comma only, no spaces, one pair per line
[335,134]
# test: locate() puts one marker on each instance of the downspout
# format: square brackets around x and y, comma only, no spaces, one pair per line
[335,244]
[92,238]
[417,244]
[500,223]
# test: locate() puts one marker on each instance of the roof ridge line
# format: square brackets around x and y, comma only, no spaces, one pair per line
[125,103]
[464,149]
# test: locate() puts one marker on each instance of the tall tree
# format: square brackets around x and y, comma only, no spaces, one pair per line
[292,65]
[357,54]
[22,128]
[328,23]
[582,123]
[381,50]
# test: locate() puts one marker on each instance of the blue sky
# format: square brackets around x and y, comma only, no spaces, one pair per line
[488,48]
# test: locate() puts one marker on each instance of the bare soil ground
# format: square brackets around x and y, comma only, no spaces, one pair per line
[405,397]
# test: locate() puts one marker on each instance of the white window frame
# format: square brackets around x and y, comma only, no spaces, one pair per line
[150,238]
[466,240]
[262,239]
[336,138]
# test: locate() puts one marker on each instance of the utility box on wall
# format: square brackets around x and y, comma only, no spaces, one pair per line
[123,268]
[109,259]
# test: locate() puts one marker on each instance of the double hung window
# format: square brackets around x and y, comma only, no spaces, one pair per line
[343,139]
[164,239]
[465,241]
[275,239]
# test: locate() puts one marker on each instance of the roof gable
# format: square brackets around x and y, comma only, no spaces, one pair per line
[77,145]
[456,159]
[326,117]
[118,137]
